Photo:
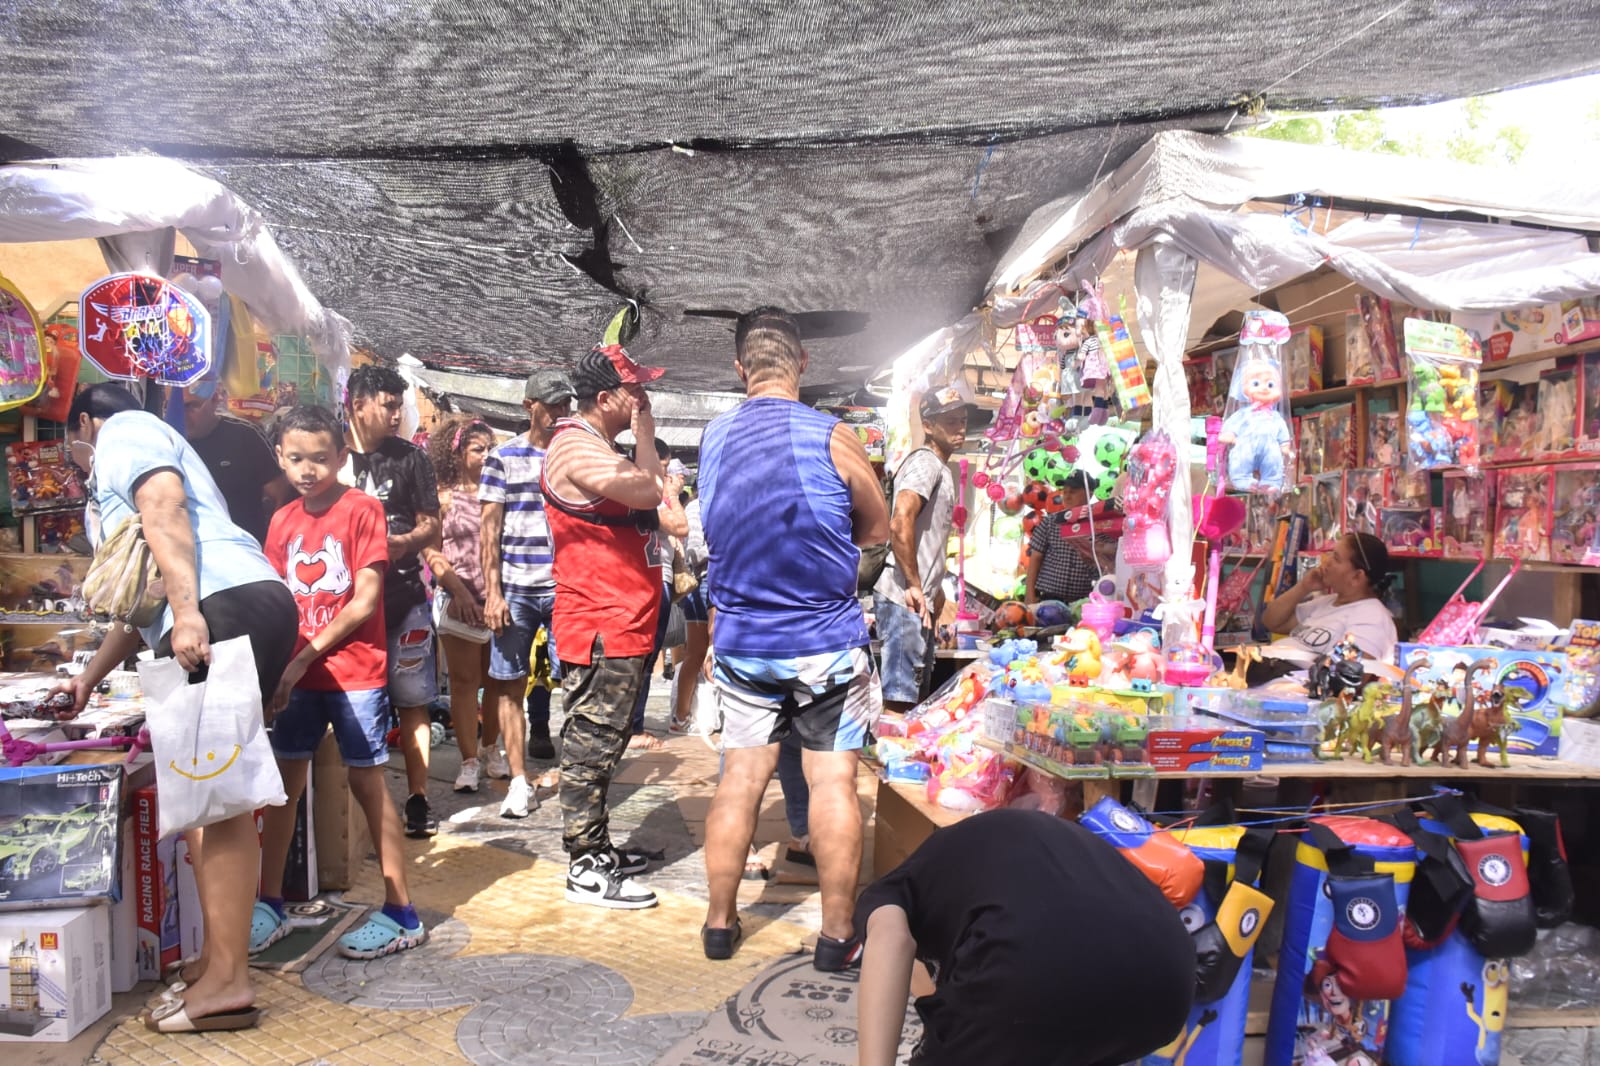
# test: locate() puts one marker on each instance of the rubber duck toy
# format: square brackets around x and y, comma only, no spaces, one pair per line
[1082,646]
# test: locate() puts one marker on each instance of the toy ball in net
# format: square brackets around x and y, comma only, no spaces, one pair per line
[1010,615]
[1036,463]
[1052,613]
[1110,450]
[1105,487]
[1056,470]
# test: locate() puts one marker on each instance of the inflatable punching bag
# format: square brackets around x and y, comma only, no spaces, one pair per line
[1224,919]
[1453,1011]
[1343,957]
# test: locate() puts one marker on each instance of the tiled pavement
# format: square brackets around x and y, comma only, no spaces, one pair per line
[513,974]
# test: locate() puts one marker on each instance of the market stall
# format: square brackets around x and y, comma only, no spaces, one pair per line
[1318,330]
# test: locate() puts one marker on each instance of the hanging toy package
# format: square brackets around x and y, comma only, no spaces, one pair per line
[1442,418]
[1259,449]
[1145,542]
[1122,359]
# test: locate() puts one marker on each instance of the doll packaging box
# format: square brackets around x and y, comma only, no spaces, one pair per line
[1522,513]
[1589,404]
[1575,515]
[1466,514]
[1305,352]
[41,477]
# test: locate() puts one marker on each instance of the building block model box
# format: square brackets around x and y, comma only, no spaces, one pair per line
[1199,744]
[57,978]
[60,835]
[1541,675]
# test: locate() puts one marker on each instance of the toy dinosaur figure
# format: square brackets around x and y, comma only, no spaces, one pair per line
[1243,656]
[1335,717]
[1365,715]
[1457,734]
[1491,721]
[1427,720]
[1395,732]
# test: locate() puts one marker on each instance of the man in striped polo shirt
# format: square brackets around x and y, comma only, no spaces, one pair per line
[519,588]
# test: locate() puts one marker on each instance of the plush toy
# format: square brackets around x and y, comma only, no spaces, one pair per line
[1256,433]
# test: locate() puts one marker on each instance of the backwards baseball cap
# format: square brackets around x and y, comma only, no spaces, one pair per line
[940,400]
[610,367]
[548,386]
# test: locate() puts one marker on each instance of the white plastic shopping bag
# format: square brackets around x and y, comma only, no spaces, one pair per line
[212,756]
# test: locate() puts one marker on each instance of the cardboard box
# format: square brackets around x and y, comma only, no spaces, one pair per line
[1201,744]
[340,829]
[1580,320]
[1580,741]
[57,977]
[1542,675]
[155,889]
[1505,334]
[124,918]
[60,835]
[1305,354]
[191,919]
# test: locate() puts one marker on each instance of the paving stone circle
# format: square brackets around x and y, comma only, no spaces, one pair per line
[528,1010]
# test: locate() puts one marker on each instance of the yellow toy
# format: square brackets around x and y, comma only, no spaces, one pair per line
[1082,646]
[1496,978]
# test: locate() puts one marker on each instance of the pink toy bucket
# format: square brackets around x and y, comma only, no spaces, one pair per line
[1101,615]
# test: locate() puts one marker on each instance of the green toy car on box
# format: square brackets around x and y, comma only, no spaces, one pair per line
[59,838]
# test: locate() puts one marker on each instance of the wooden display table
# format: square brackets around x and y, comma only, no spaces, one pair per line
[904,820]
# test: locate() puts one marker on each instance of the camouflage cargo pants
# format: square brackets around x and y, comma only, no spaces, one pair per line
[599,703]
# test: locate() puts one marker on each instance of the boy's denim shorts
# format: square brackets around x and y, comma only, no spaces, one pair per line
[360,723]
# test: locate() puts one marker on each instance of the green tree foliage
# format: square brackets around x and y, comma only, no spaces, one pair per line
[1470,140]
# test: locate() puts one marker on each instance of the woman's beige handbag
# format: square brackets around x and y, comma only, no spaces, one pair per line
[123,580]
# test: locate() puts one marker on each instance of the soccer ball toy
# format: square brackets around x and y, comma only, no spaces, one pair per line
[1110,450]
[1036,463]
[1036,495]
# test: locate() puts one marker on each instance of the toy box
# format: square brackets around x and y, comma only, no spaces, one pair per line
[58,973]
[1222,364]
[1304,353]
[1522,513]
[59,835]
[1557,403]
[1326,510]
[1309,437]
[1366,492]
[1069,742]
[155,889]
[1505,334]
[1541,675]
[1413,531]
[1337,426]
[125,921]
[1376,318]
[1199,744]
[1466,515]
[1580,320]
[1386,441]
[1197,373]
[1575,514]
[1359,367]
[1589,403]
[1583,664]
[1519,423]
[1291,730]
[55,530]
[41,477]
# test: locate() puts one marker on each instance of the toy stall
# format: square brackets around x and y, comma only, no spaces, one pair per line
[1282,360]
[143,271]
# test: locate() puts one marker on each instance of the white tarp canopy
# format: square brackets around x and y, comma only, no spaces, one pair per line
[1182,204]
[132,203]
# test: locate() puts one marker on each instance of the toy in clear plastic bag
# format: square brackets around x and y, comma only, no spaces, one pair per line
[1442,417]
[1145,541]
[967,777]
[1259,449]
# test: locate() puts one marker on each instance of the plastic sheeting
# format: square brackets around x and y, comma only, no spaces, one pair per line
[131,204]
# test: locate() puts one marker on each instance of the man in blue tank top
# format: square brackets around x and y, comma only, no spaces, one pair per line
[786,495]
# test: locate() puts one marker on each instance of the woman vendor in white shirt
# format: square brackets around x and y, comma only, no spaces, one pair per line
[1339,599]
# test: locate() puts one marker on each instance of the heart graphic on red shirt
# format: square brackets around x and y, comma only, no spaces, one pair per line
[310,571]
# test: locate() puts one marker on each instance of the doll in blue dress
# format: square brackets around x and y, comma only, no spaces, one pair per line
[1256,433]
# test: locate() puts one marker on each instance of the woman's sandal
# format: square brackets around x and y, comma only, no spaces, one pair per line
[680,726]
[172,1016]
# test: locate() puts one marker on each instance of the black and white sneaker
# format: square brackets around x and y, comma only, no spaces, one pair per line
[596,879]
[630,862]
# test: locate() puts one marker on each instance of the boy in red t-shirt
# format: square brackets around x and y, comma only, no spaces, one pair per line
[331,547]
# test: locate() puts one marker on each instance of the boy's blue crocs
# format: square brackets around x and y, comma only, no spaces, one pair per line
[266,928]
[380,936]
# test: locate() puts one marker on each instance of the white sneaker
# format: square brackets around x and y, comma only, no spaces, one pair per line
[518,798]
[596,880]
[470,776]
[497,768]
